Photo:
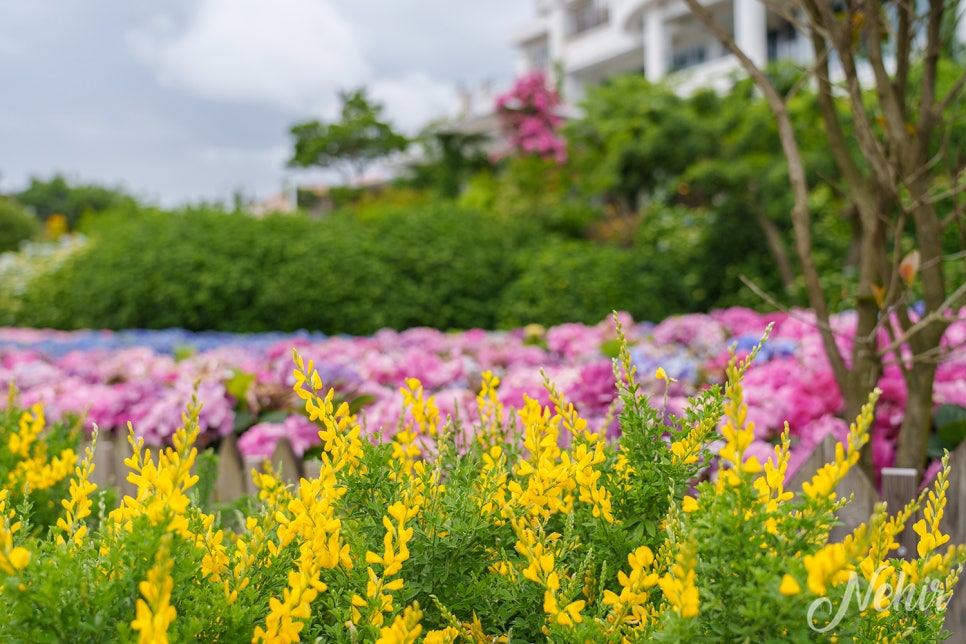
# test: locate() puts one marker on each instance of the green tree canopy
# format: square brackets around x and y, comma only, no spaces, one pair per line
[351,144]
[57,195]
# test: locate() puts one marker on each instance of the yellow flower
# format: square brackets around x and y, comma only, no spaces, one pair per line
[789,586]
[78,504]
[689,504]
[154,610]
[405,629]
[822,485]
[679,586]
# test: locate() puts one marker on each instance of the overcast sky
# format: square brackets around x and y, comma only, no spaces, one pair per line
[187,100]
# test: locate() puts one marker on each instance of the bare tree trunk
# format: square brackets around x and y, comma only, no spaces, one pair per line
[894,177]
[776,247]
[917,420]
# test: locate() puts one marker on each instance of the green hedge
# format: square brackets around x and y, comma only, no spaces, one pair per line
[16,225]
[435,265]
[570,281]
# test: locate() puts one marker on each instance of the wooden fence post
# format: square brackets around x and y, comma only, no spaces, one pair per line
[230,483]
[855,483]
[899,486]
[286,464]
[103,474]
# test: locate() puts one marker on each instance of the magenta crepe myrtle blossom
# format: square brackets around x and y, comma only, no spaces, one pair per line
[529,120]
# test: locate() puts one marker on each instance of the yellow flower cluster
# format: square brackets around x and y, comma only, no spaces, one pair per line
[424,410]
[737,431]
[822,485]
[547,479]
[425,423]
[932,564]
[405,629]
[154,610]
[679,583]
[550,476]
[588,451]
[832,564]
[491,487]
[341,431]
[161,487]
[310,516]
[378,599]
[492,427]
[632,606]
[540,569]
[78,504]
[12,558]
[35,470]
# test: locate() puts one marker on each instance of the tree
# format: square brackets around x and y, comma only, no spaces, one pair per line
[449,159]
[891,144]
[351,144]
[58,196]
[635,139]
[16,224]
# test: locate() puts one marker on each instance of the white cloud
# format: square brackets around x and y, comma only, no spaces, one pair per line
[414,99]
[286,54]
[271,157]
[9,48]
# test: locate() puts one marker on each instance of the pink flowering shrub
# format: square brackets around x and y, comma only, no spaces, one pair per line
[529,119]
[247,388]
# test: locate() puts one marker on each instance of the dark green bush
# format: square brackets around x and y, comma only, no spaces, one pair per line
[569,281]
[438,267]
[16,225]
[59,196]
[435,265]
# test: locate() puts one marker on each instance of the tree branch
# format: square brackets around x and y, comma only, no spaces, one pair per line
[796,174]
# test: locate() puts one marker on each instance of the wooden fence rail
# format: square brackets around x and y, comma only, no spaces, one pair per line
[234,479]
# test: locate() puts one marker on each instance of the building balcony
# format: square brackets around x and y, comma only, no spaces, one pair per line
[595,47]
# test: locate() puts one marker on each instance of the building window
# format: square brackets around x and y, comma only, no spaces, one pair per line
[538,56]
[782,43]
[684,58]
[587,15]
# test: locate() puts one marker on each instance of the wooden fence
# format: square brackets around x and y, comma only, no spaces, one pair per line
[899,485]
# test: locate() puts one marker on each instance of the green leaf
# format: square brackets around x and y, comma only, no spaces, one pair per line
[937,445]
[243,420]
[948,414]
[611,348]
[357,403]
[274,416]
[237,386]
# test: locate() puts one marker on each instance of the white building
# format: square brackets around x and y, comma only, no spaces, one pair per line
[589,40]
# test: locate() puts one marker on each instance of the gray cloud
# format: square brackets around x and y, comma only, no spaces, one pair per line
[192,99]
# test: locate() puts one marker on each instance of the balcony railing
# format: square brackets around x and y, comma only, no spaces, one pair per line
[586,16]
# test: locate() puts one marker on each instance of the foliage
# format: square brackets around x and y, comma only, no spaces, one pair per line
[571,281]
[636,138]
[16,225]
[211,270]
[19,270]
[714,162]
[529,119]
[73,201]
[449,158]
[36,460]
[351,144]
[496,532]
[891,121]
